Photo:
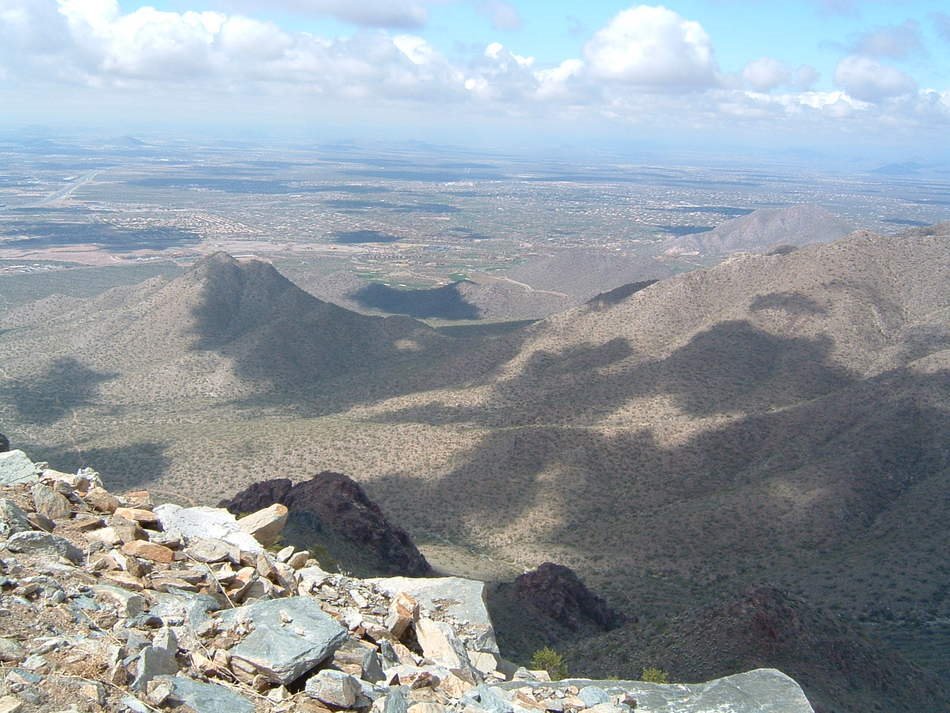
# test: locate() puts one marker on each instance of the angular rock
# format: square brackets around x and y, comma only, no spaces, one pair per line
[758,691]
[205,522]
[139,515]
[336,505]
[152,662]
[207,697]
[265,525]
[11,651]
[441,644]
[4,443]
[290,636]
[128,603]
[12,519]
[461,599]
[101,500]
[403,613]
[16,467]
[207,550]
[359,661]
[334,688]
[49,503]
[46,544]
[149,551]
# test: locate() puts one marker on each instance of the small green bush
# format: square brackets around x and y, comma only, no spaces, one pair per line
[547,659]
[652,674]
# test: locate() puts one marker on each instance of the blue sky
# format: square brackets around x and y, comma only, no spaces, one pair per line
[819,71]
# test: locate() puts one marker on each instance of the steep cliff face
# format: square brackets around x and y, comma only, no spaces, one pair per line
[332,511]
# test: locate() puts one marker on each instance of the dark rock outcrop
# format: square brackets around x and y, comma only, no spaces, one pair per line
[331,511]
[555,590]
[4,443]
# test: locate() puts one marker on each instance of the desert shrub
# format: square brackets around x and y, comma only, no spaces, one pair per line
[547,659]
[652,674]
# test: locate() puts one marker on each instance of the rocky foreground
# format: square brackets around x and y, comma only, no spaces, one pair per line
[116,603]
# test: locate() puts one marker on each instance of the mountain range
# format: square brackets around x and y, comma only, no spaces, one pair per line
[776,419]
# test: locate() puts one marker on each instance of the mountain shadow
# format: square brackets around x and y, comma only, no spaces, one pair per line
[733,366]
[840,669]
[122,468]
[445,302]
[64,386]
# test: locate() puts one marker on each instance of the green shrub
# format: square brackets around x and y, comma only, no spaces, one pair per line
[652,674]
[547,659]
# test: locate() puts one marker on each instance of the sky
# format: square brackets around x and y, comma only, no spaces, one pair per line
[873,75]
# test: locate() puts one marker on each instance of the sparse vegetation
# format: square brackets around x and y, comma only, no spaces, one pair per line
[547,659]
[652,674]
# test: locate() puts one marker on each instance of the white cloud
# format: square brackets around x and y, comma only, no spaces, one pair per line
[766,73]
[502,14]
[894,41]
[870,81]
[652,47]
[402,14]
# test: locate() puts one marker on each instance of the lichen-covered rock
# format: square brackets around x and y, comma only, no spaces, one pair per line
[12,518]
[46,544]
[205,522]
[16,467]
[289,637]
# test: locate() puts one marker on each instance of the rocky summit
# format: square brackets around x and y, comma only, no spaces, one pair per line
[333,510]
[113,602]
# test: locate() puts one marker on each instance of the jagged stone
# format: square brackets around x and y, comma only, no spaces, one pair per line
[46,544]
[290,636]
[128,603]
[11,651]
[153,661]
[403,613]
[205,522]
[751,692]
[137,515]
[12,519]
[299,560]
[207,550]
[4,443]
[335,688]
[458,598]
[358,660]
[427,707]
[149,551]
[440,643]
[49,503]
[334,503]
[207,697]
[265,525]
[102,500]
[591,695]
[16,467]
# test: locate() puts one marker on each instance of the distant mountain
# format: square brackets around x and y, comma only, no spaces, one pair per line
[222,329]
[764,229]
[843,671]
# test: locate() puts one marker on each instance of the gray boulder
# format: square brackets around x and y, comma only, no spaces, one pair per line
[334,688]
[764,690]
[207,697]
[12,519]
[205,522]
[289,637]
[46,544]
[455,597]
[16,467]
